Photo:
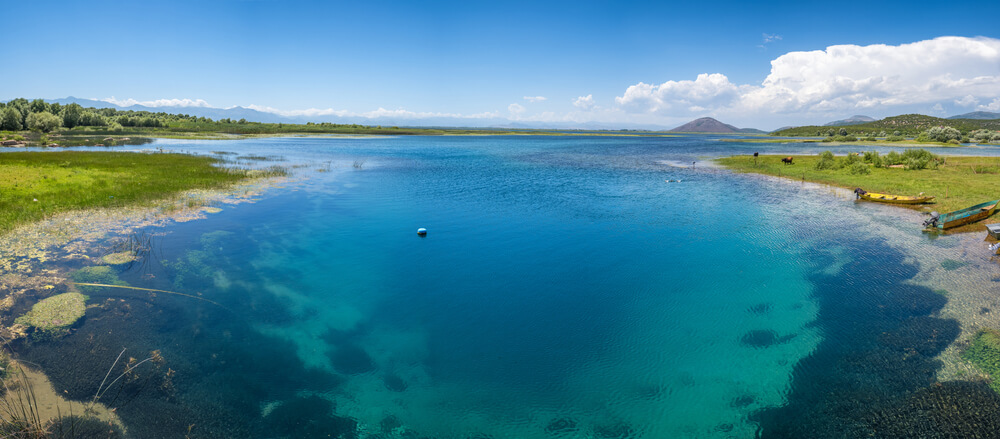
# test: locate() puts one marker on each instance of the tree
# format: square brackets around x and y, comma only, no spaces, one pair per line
[71,115]
[38,106]
[842,132]
[11,119]
[43,121]
[22,106]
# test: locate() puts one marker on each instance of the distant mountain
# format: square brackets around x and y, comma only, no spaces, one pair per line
[710,125]
[252,115]
[978,115]
[853,120]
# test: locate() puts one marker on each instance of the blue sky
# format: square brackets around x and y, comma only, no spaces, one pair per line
[481,60]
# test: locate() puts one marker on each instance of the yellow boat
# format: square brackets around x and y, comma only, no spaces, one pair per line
[895,199]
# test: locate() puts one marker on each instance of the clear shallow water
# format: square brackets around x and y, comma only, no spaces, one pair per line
[565,289]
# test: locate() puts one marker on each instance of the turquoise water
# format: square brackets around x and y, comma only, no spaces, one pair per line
[565,289]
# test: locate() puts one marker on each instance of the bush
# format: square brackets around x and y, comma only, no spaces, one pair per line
[851,159]
[895,138]
[826,161]
[940,134]
[893,158]
[859,168]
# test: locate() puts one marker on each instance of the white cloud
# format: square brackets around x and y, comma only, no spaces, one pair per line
[771,38]
[515,109]
[937,108]
[707,90]
[967,101]
[992,106]
[585,103]
[837,79]
[535,98]
[158,103]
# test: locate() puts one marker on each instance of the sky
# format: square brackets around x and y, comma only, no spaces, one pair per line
[750,64]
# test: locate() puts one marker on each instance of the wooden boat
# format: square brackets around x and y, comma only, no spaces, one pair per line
[895,199]
[963,216]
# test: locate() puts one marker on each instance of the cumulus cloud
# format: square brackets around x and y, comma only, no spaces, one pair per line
[839,78]
[158,103]
[585,103]
[535,98]
[992,106]
[706,91]
[967,101]
[515,109]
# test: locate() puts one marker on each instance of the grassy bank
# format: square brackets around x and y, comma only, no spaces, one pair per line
[859,143]
[958,183]
[38,184]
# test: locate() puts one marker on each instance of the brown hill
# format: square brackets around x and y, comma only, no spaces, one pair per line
[710,125]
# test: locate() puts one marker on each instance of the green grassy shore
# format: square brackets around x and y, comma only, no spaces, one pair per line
[957,183]
[36,185]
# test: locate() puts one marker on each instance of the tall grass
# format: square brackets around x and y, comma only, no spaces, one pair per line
[956,182]
[35,185]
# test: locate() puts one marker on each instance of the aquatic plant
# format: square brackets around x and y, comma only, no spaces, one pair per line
[951,264]
[96,275]
[984,352]
[53,316]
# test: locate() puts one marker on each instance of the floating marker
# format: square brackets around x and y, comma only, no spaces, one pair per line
[422,231]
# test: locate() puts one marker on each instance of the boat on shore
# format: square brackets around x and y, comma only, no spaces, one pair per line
[894,199]
[961,217]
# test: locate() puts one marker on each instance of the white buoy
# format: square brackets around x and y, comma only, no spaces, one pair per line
[422,231]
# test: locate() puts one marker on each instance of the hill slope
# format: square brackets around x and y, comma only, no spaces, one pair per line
[853,120]
[977,115]
[906,125]
[710,125]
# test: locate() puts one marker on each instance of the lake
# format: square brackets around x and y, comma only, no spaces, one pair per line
[568,286]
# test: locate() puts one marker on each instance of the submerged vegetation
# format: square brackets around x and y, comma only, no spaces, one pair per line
[39,184]
[956,182]
[984,352]
[53,316]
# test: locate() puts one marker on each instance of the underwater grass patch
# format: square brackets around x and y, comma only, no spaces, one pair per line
[96,275]
[54,315]
[958,183]
[37,184]
[984,352]
[951,264]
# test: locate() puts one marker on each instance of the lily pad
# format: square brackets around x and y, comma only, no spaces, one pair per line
[55,314]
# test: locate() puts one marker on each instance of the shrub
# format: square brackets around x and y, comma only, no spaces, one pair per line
[940,134]
[859,168]
[826,161]
[851,159]
[893,158]
[895,138]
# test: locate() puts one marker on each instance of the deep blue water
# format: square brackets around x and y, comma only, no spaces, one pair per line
[565,289]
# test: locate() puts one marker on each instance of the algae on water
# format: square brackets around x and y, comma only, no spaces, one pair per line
[54,315]
[96,275]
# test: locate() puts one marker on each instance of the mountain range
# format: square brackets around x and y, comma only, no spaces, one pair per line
[980,115]
[253,115]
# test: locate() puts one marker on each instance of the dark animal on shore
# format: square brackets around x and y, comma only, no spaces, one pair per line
[787,160]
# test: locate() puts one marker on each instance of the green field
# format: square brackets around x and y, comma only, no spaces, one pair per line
[958,183]
[36,185]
